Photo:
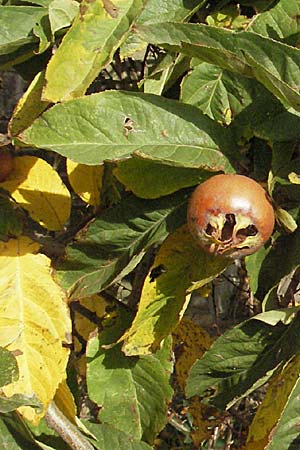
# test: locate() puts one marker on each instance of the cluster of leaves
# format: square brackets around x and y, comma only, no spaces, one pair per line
[96,264]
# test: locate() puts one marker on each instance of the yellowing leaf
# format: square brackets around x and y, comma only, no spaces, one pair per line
[271,409]
[86,181]
[38,188]
[190,342]
[35,303]
[65,402]
[179,268]
[29,106]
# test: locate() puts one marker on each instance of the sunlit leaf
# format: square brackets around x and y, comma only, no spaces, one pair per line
[31,299]
[112,125]
[29,107]
[62,13]
[97,32]
[38,188]
[86,181]
[184,267]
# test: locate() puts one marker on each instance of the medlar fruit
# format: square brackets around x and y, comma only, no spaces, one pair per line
[230,215]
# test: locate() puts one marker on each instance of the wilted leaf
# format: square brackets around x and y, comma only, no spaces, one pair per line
[184,267]
[38,188]
[133,392]
[273,424]
[94,37]
[29,107]
[86,181]
[31,299]
[113,240]
[241,360]
[112,125]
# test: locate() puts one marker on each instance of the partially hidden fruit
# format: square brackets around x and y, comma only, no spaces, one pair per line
[6,164]
[230,215]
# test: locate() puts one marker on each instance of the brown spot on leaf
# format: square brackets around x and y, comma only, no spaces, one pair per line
[110,8]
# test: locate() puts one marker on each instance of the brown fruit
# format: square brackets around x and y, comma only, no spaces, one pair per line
[6,164]
[230,215]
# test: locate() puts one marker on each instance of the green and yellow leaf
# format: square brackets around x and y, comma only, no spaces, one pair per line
[184,267]
[36,307]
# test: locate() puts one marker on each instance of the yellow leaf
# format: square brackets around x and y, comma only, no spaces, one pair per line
[190,342]
[86,181]
[35,303]
[65,402]
[179,268]
[270,410]
[38,188]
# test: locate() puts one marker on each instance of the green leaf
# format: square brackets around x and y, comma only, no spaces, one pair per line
[133,393]
[253,264]
[10,221]
[17,24]
[179,268]
[154,12]
[220,94]
[112,125]
[286,433]
[245,53]
[8,404]
[97,32]
[8,367]
[110,438]
[241,360]
[279,22]
[14,434]
[62,13]
[150,179]
[113,239]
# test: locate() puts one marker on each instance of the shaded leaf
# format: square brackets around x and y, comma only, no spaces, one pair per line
[185,268]
[8,404]
[32,301]
[272,426]
[150,179]
[86,181]
[241,360]
[95,128]
[132,392]
[110,243]
[94,37]
[38,188]
[14,435]
[10,220]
